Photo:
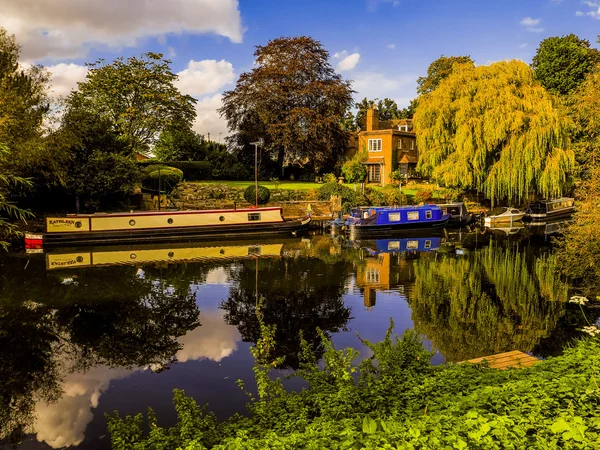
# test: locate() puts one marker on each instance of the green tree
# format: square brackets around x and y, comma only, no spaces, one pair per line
[180,145]
[137,96]
[561,63]
[387,109]
[494,129]
[354,170]
[100,169]
[438,70]
[294,100]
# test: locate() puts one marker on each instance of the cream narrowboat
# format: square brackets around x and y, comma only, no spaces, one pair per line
[163,226]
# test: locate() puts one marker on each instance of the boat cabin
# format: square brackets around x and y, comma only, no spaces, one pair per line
[551,209]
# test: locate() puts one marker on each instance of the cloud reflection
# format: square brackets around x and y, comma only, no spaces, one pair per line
[63,424]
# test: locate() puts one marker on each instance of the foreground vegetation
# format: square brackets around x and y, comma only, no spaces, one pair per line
[393,399]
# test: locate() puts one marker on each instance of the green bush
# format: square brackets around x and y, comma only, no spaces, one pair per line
[264,194]
[393,195]
[158,176]
[423,196]
[192,170]
[348,195]
[329,178]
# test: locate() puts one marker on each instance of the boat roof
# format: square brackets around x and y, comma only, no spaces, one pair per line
[175,212]
[556,200]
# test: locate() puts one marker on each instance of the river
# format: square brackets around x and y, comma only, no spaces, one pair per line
[87,332]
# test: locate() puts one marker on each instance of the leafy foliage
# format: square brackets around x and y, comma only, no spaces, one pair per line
[294,100]
[348,195]
[438,70]
[354,170]
[329,178]
[494,129]
[387,109]
[160,177]
[398,397]
[178,144]
[561,63]
[264,195]
[138,96]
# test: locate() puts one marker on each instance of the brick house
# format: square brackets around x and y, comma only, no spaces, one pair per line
[390,145]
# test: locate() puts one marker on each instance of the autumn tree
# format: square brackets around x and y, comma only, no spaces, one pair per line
[494,129]
[438,70]
[294,100]
[138,96]
[561,63]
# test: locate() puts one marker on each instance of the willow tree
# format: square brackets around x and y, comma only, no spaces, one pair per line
[494,129]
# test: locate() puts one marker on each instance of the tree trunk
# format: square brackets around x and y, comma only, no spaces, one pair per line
[280,155]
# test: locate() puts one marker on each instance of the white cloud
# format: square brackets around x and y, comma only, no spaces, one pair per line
[529,22]
[69,28]
[391,46]
[579,13]
[348,63]
[64,78]
[208,119]
[340,55]
[373,5]
[171,53]
[372,85]
[205,77]
[523,45]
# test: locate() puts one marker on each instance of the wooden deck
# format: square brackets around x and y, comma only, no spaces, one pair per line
[515,359]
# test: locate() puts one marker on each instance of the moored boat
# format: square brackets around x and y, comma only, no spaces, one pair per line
[546,210]
[459,215]
[382,221]
[163,226]
[505,215]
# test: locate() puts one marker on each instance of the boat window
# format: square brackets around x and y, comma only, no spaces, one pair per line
[394,245]
[412,245]
[394,217]
[413,215]
[428,214]
[253,217]
[427,243]
[515,211]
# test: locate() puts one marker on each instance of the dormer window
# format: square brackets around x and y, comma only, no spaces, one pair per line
[403,128]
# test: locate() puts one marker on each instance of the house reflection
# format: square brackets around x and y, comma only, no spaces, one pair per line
[388,265]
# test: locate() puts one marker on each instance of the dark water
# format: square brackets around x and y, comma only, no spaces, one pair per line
[89,332]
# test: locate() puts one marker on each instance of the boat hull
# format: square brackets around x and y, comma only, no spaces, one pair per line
[172,234]
[504,219]
[391,229]
[552,215]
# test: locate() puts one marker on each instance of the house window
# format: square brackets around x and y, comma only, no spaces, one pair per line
[374,145]
[372,275]
[412,144]
[253,217]
[428,214]
[374,172]
[394,217]
[399,144]
[403,127]
[413,215]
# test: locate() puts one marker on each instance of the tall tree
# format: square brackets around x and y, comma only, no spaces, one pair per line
[138,96]
[294,100]
[438,70]
[561,63]
[494,129]
[180,145]
[387,109]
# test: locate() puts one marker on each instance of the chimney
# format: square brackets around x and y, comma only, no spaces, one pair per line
[372,119]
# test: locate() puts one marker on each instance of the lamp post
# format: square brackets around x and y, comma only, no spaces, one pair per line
[256,144]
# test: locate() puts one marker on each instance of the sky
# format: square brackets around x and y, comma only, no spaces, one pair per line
[383,46]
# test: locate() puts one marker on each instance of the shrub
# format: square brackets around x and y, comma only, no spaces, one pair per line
[423,196]
[375,197]
[393,195]
[264,194]
[348,195]
[329,178]
[354,171]
[158,176]
[192,170]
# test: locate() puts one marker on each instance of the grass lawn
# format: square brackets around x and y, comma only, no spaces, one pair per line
[409,190]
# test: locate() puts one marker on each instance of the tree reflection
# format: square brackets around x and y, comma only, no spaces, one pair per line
[68,321]
[489,301]
[299,294]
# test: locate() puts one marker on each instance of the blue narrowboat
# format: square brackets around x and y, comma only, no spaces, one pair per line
[381,220]
[411,244]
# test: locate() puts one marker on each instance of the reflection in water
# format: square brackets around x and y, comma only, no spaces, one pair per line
[486,302]
[67,335]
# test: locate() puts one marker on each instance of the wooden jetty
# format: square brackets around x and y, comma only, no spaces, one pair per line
[515,359]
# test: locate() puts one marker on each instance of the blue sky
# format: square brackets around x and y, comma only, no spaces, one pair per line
[383,45]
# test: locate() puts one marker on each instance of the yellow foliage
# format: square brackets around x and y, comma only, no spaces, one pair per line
[495,129]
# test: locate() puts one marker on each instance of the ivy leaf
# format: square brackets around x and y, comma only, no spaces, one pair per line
[560,426]
[369,426]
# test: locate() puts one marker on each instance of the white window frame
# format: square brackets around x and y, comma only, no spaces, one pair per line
[372,275]
[375,145]
[412,144]
[399,144]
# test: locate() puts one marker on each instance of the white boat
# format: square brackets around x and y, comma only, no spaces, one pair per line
[508,215]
